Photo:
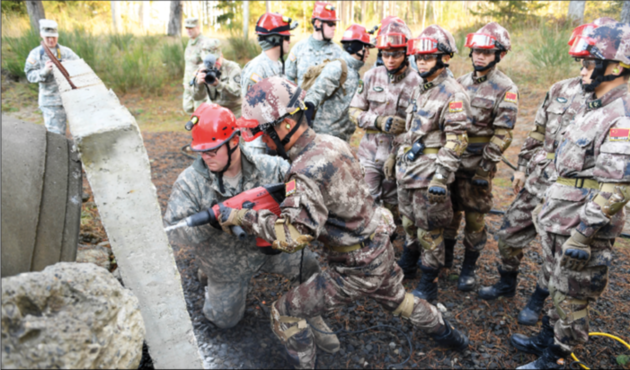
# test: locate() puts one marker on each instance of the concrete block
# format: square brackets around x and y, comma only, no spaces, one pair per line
[118,170]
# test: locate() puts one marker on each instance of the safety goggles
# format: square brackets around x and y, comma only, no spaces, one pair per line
[423,45]
[212,152]
[286,38]
[250,128]
[589,64]
[480,41]
[393,54]
[251,134]
[583,30]
[581,46]
[391,40]
[330,23]
[427,57]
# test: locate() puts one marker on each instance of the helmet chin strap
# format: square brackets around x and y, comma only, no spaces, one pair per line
[273,134]
[219,174]
[439,64]
[497,59]
[402,65]
[597,77]
[320,29]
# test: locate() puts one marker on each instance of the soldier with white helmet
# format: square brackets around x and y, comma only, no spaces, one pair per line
[38,69]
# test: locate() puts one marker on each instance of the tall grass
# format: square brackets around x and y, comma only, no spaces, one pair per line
[548,53]
[241,50]
[172,55]
[15,50]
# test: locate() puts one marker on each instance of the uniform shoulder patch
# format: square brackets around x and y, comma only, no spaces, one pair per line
[511,97]
[361,85]
[292,57]
[290,188]
[32,61]
[619,134]
[455,106]
[254,77]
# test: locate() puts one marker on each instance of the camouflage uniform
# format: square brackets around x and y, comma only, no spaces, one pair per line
[196,50]
[494,107]
[438,113]
[227,93]
[555,114]
[254,71]
[49,99]
[330,202]
[309,52]
[332,109]
[597,150]
[380,95]
[228,263]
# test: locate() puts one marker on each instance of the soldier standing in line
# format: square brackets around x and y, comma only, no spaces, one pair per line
[198,47]
[226,88]
[494,107]
[536,160]
[316,48]
[379,107]
[38,69]
[225,169]
[583,211]
[379,56]
[333,89]
[328,200]
[274,37]
[437,124]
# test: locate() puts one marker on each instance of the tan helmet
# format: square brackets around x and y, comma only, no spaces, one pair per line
[433,40]
[491,36]
[603,21]
[605,44]
[393,34]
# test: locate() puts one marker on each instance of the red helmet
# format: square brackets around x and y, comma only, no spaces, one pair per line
[393,34]
[579,40]
[213,126]
[324,12]
[357,33]
[275,24]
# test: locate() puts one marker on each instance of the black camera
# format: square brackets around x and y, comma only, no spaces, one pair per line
[211,71]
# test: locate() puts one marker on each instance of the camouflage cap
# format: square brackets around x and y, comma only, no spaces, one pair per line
[612,42]
[396,25]
[48,28]
[213,47]
[442,36]
[499,33]
[191,22]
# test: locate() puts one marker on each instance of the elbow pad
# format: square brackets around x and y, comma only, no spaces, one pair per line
[538,133]
[457,143]
[502,138]
[620,196]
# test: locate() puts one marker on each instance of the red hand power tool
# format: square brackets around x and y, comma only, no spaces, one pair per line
[267,197]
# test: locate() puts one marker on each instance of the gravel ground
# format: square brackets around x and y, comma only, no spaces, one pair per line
[488,324]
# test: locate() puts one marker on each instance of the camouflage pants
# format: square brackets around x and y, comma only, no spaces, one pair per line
[225,301]
[374,150]
[517,229]
[188,103]
[368,272]
[55,119]
[573,291]
[474,202]
[414,204]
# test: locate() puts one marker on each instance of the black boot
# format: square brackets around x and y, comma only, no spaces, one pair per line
[535,344]
[529,315]
[449,337]
[506,287]
[552,358]
[467,279]
[449,246]
[408,262]
[427,289]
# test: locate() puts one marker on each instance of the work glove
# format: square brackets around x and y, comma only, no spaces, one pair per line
[481,178]
[230,217]
[518,181]
[437,189]
[576,252]
[389,168]
[391,124]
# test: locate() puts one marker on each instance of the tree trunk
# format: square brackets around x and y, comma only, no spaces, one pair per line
[424,13]
[625,12]
[245,19]
[576,11]
[116,20]
[363,12]
[35,11]
[268,6]
[141,13]
[175,19]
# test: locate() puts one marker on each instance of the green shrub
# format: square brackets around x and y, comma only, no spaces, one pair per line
[241,50]
[15,50]
[82,43]
[173,59]
[548,52]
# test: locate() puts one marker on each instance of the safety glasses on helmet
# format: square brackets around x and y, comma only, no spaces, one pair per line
[581,46]
[391,40]
[583,30]
[480,41]
[250,128]
[423,45]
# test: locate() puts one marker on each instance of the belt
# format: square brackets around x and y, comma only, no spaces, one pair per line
[578,183]
[350,248]
[478,139]
[425,151]
[551,156]
[370,131]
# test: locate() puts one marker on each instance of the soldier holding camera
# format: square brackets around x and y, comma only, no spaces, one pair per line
[218,80]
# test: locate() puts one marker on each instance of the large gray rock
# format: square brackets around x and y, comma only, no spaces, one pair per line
[71,315]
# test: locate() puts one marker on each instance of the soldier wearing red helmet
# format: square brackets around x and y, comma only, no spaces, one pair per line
[333,89]
[316,48]
[380,106]
[274,36]
[327,199]
[377,29]
[223,170]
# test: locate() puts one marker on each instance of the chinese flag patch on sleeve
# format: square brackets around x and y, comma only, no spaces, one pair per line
[455,106]
[256,78]
[290,187]
[619,134]
[511,97]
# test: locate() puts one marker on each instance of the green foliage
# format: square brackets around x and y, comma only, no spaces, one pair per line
[508,11]
[547,51]
[83,44]
[241,50]
[120,40]
[15,50]
[623,360]
[13,7]
[173,59]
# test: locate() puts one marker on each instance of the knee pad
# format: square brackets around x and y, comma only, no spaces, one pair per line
[568,309]
[285,327]
[430,240]
[506,251]
[409,226]
[475,222]
[406,307]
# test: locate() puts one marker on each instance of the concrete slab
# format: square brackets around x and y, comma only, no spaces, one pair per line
[117,166]
[73,207]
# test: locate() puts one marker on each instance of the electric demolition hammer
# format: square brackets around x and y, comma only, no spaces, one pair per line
[263,197]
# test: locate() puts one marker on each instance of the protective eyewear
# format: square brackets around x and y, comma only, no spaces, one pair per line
[588,63]
[583,30]
[391,40]
[423,45]
[286,38]
[427,57]
[330,23]
[393,54]
[212,152]
[581,46]
[480,41]
[485,52]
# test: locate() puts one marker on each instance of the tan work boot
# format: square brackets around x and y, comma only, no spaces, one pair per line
[326,342]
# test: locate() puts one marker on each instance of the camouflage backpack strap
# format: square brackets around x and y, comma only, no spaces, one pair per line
[311,75]
[342,79]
